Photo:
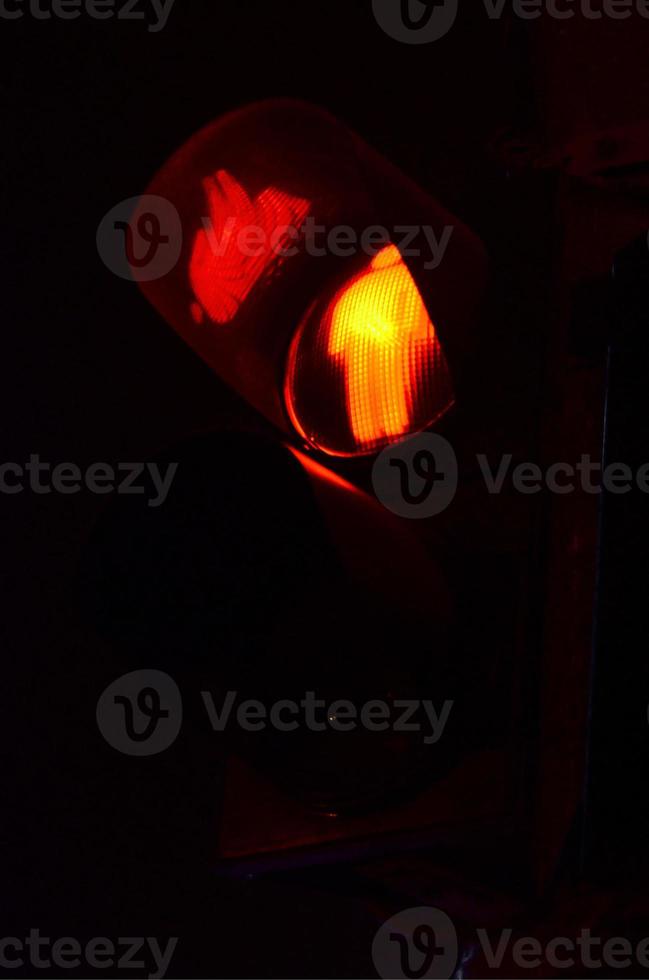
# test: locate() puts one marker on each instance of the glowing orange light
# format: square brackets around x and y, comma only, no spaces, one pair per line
[377,336]
[243,241]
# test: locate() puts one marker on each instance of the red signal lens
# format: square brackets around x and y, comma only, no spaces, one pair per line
[366,367]
[242,242]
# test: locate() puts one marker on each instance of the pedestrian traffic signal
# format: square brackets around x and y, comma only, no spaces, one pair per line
[316,279]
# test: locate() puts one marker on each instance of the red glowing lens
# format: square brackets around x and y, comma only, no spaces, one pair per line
[242,242]
[366,367]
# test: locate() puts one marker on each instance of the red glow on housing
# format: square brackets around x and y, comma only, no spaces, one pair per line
[321,472]
[242,242]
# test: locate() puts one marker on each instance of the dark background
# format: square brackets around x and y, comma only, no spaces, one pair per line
[97,844]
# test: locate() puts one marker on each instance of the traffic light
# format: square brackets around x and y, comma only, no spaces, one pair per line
[345,307]
[312,281]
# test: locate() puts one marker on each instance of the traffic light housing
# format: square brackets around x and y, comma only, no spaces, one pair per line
[318,281]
